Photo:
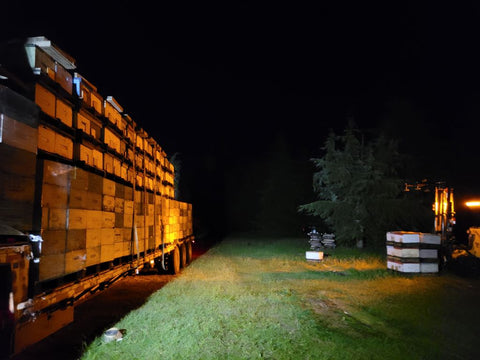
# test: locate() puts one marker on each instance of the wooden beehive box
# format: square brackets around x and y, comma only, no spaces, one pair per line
[53,142]
[113,110]
[64,112]
[46,99]
[46,58]
[88,93]
[413,252]
[88,123]
[112,139]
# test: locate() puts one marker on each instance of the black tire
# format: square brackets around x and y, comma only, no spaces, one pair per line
[189,252]
[174,261]
[183,255]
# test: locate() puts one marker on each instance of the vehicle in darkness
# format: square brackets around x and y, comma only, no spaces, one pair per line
[86,195]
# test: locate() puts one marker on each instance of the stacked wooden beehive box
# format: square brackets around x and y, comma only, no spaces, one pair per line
[18,148]
[413,252]
[177,219]
[106,185]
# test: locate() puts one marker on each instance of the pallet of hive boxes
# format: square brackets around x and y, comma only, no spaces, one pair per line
[59,229]
[89,124]
[48,60]
[127,149]
[144,221]
[169,179]
[113,158]
[177,219]
[88,93]
[18,149]
[55,133]
[53,93]
[86,220]
[88,146]
[113,111]
[413,252]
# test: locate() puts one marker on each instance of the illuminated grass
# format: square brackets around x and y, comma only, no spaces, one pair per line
[260,298]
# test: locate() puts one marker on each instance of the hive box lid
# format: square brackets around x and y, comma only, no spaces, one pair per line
[51,49]
[409,237]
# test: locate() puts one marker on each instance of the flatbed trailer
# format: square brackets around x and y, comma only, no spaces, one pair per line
[87,195]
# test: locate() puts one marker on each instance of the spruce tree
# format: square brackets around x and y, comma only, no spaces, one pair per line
[357,189]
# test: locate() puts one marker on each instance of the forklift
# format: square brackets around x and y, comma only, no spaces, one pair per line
[460,241]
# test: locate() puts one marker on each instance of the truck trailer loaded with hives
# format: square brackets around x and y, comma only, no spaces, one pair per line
[86,195]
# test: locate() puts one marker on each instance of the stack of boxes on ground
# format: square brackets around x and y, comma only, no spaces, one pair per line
[413,252]
[319,242]
[96,185]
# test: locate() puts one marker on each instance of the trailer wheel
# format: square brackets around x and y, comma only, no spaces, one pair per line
[189,252]
[183,255]
[174,261]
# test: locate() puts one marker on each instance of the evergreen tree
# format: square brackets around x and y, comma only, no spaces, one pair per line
[359,194]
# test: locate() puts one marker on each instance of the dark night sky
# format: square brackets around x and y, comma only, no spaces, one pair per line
[219,81]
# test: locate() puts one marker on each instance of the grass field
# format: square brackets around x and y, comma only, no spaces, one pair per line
[252,298]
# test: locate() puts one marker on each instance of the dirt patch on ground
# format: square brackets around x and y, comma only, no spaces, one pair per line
[96,314]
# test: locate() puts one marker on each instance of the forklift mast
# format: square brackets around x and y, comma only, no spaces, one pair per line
[444,210]
[443,207]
